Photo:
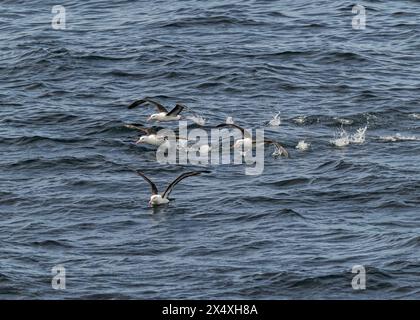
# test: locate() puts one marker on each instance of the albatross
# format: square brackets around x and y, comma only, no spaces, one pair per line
[247,140]
[158,199]
[164,114]
[151,135]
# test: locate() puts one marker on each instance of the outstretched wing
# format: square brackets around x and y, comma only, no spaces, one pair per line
[176,110]
[245,133]
[177,180]
[282,151]
[152,185]
[147,131]
[142,101]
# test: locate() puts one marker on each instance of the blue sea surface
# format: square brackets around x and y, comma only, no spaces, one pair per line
[69,194]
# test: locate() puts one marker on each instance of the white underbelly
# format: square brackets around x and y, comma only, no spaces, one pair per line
[159,201]
[155,140]
[168,118]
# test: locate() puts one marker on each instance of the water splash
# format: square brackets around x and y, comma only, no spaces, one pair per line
[302,145]
[343,138]
[360,136]
[275,122]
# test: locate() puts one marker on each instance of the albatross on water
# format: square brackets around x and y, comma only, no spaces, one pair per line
[156,198]
[150,135]
[247,141]
[164,114]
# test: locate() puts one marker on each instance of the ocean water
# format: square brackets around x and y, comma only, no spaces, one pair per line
[69,193]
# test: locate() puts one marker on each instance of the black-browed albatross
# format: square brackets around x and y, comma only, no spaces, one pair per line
[156,198]
[164,114]
[151,135]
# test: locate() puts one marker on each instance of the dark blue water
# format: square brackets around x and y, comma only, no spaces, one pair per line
[69,194]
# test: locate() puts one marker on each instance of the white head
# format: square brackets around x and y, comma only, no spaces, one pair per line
[153,117]
[155,199]
[142,139]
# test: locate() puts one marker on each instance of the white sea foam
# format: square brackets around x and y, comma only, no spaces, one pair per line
[300,119]
[229,120]
[344,121]
[399,137]
[415,115]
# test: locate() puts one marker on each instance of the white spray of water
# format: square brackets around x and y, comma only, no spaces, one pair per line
[360,136]
[302,145]
[275,122]
[343,138]
[415,115]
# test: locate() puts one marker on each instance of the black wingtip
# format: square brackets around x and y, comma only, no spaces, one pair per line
[223,125]
[137,103]
[133,105]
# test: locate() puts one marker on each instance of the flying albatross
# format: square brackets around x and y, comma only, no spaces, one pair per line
[156,198]
[164,114]
[247,140]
